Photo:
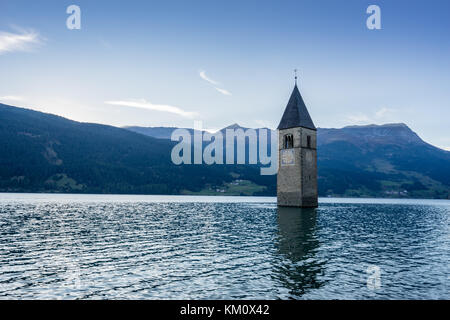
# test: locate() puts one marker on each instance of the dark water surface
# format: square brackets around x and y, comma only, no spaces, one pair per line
[156,247]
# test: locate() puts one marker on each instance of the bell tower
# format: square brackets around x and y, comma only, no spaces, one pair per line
[297,155]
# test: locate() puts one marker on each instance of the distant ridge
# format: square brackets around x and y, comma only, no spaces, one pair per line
[378,125]
[402,133]
[388,160]
[47,153]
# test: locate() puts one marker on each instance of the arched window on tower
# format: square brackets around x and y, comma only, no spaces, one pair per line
[308,141]
[288,142]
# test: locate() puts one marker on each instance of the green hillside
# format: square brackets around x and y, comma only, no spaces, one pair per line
[45,153]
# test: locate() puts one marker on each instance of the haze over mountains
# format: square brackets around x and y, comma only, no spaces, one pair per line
[46,153]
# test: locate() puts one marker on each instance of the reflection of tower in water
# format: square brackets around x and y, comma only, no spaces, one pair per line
[297,244]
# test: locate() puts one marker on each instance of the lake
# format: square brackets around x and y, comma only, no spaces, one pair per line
[59,246]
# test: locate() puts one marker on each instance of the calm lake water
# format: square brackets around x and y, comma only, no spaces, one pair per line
[183,247]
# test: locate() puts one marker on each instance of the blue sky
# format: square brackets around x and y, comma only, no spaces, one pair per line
[168,63]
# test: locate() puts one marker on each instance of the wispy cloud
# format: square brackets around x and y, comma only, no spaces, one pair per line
[143,104]
[23,41]
[11,98]
[215,83]
[205,77]
[358,117]
[223,91]
[383,114]
[263,123]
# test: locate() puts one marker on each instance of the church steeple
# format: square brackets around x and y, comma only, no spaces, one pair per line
[296,114]
[297,155]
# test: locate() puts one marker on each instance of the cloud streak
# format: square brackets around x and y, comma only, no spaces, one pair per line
[143,104]
[358,118]
[11,98]
[205,77]
[24,41]
[215,83]
[381,114]
[223,91]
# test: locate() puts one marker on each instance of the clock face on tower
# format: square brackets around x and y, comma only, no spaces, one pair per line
[287,157]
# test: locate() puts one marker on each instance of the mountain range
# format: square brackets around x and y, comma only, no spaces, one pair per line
[46,153]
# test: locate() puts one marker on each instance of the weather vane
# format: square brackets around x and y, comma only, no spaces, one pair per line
[295,76]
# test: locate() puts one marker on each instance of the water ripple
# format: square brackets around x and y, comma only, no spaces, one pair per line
[141,249]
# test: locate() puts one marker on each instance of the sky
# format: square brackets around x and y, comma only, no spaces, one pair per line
[170,63]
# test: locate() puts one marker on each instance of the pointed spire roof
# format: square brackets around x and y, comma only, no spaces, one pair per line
[296,114]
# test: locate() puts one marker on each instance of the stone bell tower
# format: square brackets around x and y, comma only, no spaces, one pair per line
[297,155]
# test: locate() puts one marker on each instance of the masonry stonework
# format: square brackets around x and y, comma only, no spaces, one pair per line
[297,170]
